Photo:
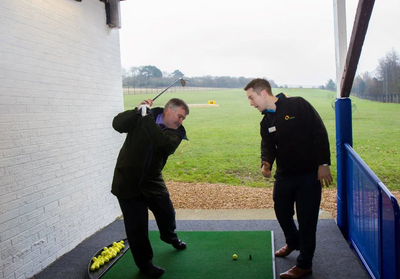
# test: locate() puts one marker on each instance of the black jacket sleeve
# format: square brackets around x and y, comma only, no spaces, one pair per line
[125,121]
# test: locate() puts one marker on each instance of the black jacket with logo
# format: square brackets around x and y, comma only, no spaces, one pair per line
[143,154]
[295,137]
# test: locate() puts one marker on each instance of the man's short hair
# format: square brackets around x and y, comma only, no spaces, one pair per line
[175,103]
[258,85]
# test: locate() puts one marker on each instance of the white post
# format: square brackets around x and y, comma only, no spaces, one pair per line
[339,11]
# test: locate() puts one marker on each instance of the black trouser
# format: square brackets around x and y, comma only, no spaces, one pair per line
[304,191]
[136,220]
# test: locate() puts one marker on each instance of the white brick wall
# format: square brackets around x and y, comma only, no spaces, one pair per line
[60,87]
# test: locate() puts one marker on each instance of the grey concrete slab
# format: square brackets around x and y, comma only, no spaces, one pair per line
[231,214]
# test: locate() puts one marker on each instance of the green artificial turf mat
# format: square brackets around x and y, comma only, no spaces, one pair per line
[208,255]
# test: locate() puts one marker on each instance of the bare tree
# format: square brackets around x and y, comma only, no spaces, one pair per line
[389,72]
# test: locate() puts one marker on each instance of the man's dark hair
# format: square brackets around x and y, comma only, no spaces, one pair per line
[258,85]
[175,102]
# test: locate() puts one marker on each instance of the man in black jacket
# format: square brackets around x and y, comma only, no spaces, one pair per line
[293,134]
[138,183]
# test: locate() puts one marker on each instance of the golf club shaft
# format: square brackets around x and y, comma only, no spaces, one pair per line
[167,88]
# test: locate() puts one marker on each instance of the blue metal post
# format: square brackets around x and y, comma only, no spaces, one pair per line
[344,134]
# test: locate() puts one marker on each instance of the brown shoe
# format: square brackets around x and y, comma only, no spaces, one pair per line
[295,272]
[284,251]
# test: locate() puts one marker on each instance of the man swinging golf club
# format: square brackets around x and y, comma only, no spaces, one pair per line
[138,183]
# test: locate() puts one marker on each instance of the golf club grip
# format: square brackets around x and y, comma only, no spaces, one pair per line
[144,110]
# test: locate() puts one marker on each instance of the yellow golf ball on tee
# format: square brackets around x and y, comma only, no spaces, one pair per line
[234,256]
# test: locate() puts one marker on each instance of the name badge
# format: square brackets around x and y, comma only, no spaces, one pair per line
[271,129]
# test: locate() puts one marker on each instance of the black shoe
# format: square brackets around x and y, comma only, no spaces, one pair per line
[154,271]
[180,245]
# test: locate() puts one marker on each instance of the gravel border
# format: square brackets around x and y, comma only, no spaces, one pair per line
[220,196]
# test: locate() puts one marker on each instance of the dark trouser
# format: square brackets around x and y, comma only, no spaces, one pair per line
[136,220]
[304,191]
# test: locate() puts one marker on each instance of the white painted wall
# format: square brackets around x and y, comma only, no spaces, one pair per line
[60,87]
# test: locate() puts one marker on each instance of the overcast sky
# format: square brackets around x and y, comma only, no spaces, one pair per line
[288,41]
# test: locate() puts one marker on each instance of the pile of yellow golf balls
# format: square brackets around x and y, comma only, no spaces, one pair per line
[106,255]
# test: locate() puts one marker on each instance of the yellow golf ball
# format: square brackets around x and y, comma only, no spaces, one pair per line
[234,256]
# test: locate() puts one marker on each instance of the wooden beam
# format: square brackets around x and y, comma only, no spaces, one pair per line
[363,15]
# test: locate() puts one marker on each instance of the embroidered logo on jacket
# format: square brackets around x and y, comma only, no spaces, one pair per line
[287,117]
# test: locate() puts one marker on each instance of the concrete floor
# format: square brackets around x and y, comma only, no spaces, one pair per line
[231,214]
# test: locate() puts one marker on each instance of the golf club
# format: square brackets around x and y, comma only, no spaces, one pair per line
[144,108]
[183,83]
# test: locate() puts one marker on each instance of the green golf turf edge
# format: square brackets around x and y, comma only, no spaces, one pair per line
[208,255]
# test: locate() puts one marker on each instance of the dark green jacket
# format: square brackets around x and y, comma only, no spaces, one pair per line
[143,154]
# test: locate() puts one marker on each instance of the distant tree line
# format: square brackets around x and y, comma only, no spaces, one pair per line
[330,85]
[150,76]
[383,87]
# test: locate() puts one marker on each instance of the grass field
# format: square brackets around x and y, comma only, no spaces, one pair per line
[224,141]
